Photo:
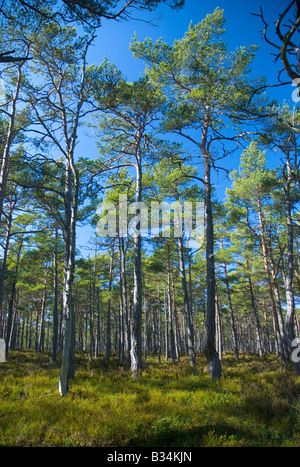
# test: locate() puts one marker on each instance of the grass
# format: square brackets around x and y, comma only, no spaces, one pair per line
[254,404]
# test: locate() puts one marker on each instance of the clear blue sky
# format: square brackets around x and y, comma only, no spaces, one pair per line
[242,29]
[113,41]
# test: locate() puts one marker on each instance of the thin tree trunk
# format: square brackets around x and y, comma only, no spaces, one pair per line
[255,313]
[232,321]
[12,205]
[125,303]
[166,325]
[12,299]
[176,336]
[5,162]
[121,308]
[187,308]
[170,317]
[218,328]
[275,310]
[55,302]
[108,316]
[159,325]
[42,316]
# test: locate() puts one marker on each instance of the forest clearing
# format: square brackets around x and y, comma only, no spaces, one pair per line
[149,223]
[255,403]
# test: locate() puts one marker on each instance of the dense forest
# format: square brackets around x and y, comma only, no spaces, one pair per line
[211,275]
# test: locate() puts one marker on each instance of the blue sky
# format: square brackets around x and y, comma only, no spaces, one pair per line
[113,41]
[242,29]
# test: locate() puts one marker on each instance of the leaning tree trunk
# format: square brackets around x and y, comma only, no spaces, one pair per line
[11,133]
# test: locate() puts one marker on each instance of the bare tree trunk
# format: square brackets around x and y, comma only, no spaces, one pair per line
[69,231]
[108,316]
[170,314]
[187,308]
[125,303]
[290,303]
[136,316]
[42,317]
[121,309]
[12,205]
[213,361]
[275,310]
[5,162]
[232,321]
[12,299]
[218,328]
[256,318]
[55,302]
[159,325]
[176,336]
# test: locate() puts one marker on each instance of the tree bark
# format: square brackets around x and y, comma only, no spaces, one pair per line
[12,299]
[232,320]
[136,316]
[108,316]
[213,361]
[55,302]
[288,283]
[187,308]
[275,311]
[256,318]
[69,232]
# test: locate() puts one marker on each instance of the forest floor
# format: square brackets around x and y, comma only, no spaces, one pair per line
[255,403]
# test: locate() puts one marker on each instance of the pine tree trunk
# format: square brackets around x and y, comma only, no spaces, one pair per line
[125,303]
[42,316]
[218,328]
[256,318]
[213,361]
[290,303]
[5,246]
[108,316]
[121,309]
[170,317]
[69,231]
[136,316]
[55,302]
[159,325]
[279,337]
[232,321]
[176,332]
[187,308]
[5,159]
[9,323]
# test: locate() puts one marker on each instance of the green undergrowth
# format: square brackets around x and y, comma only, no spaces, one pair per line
[255,403]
